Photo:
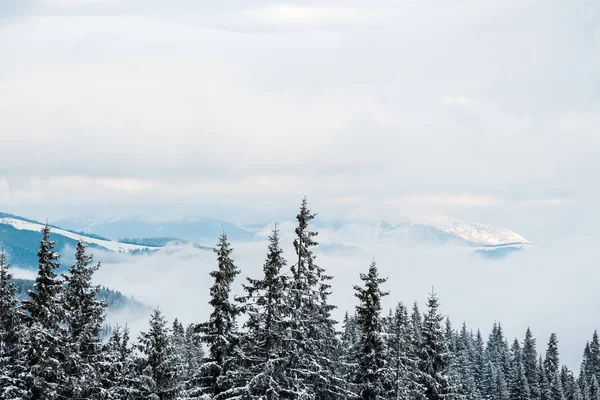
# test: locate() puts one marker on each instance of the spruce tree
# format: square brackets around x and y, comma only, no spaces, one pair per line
[11,387]
[594,356]
[402,357]
[530,365]
[371,369]
[519,388]
[215,375]
[118,373]
[264,342]
[312,346]
[157,364]
[44,345]
[84,317]
[434,355]
[552,362]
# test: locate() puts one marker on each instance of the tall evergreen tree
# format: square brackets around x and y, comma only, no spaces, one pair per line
[530,365]
[220,331]
[402,357]
[44,345]
[552,362]
[84,317]
[264,343]
[434,355]
[370,357]
[519,388]
[119,376]
[157,364]
[311,342]
[10,333]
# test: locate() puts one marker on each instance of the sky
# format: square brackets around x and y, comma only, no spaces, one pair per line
[379,109]
[485,110]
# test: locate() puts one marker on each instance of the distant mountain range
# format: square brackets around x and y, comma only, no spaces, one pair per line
[20,236]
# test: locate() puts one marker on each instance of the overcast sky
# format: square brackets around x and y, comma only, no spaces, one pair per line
[484,110]
[477,109]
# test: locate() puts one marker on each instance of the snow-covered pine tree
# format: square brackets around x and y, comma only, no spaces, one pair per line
[193,355]
[157,363]
[556,390]
[416,324]
[532,373]
[264,342]
[44,348]
[518,386]
[218,372]
[118,374]
[480,363]
[312,344]
[348,342]
[372,371]
[402,357]
[11,387]
[84,317]
[595,356]
[545,393]
[434,355]
[552,362]
[178,343]
[466,360]
[594,392]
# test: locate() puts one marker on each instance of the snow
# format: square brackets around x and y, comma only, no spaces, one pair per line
[483,234]
[107,244]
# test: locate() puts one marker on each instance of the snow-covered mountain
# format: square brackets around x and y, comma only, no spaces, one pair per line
[32,226]
[20,236]
[483,234]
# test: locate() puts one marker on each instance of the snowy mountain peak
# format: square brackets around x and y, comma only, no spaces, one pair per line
[483,234]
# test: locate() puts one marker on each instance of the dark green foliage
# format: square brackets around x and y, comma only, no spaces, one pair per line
[84,317]
[44,343]
[157,365]
[372,370]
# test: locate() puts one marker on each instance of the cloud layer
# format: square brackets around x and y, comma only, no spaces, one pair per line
[448,104]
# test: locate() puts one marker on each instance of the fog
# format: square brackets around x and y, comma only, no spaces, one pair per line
[548,288]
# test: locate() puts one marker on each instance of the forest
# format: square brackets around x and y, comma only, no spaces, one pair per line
[276,341]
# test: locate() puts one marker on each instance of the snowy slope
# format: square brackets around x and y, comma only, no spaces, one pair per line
[107,244]
[483,234]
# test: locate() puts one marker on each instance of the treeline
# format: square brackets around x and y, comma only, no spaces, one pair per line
[288,347]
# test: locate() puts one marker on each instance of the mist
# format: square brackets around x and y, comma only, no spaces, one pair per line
[547,288]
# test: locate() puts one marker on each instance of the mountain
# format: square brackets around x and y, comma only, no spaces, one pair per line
[194,229]
[20,238]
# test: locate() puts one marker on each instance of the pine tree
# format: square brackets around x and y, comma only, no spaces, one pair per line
[519,388]
[118,374]
[594,357]
[552,362]
[264,343]
[480,363]
[532,373]
[157,364]
[402,357]
[348,343]
[44,346]
[220,331]
[312,345]
[434,355]
[545,392]
[466,360]
[193,354]
[594,389]
[10,333]
[84,317]
[370,356]
[556,390]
